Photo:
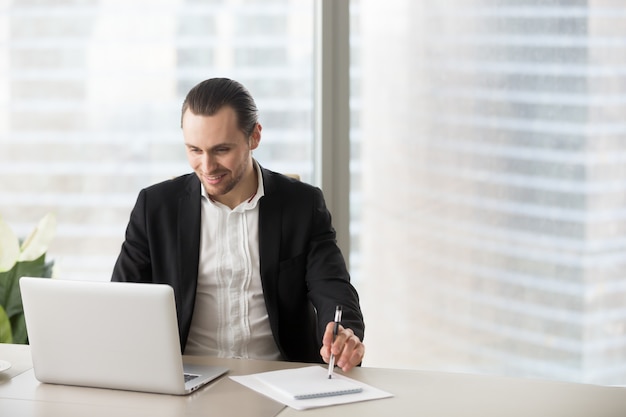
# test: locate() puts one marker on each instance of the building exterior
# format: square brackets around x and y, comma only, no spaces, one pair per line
[494,186]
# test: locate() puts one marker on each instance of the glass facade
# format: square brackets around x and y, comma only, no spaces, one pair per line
[90,98]
[493,191]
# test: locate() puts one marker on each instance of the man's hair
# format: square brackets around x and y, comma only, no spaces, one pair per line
[210,96]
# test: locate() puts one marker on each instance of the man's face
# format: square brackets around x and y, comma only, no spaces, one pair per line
[221,154]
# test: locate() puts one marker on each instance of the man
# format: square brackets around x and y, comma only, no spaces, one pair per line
[251,254]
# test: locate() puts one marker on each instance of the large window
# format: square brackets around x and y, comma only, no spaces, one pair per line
[488,191]
[90,97]
[493,189]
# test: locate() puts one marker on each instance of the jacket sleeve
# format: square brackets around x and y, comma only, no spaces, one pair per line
[133,263]
[327,276]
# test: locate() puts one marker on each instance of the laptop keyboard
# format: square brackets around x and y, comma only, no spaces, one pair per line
[189,377]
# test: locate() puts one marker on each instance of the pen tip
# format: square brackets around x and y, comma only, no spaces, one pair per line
[330,376]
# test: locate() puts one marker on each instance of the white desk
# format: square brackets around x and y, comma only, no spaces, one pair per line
[416,393]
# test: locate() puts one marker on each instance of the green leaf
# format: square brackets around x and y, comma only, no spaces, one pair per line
[7,280]
[5,328]
[10,296]
[18,327]
[31,262]
[34,268]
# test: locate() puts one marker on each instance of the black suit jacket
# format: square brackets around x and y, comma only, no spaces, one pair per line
[303,272]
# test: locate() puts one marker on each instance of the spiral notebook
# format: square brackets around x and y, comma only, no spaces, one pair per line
[309,387]
[307,383]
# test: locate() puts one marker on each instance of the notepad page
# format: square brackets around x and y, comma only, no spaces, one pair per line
[253,382]
[308,382]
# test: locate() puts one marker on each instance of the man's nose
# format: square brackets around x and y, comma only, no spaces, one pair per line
[208,162]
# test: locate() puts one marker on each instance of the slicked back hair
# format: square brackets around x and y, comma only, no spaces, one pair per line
[210,96]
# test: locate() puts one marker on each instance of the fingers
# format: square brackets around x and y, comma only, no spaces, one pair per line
[352,352]
[327,342]
[347,347]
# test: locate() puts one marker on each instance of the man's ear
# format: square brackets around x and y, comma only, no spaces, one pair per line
[255,137]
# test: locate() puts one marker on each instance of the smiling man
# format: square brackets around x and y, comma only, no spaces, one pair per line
[220,153]
[251,254]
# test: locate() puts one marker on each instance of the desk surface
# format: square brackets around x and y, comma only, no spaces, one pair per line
[416,393]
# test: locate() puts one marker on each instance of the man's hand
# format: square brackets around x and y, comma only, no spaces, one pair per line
[347,347]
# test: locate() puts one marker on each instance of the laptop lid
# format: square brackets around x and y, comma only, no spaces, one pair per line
[107,335]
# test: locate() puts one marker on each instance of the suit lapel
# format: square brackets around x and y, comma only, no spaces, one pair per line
[269,243]
[188,229]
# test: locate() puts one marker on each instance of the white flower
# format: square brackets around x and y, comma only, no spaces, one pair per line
[38,241]
[9,247]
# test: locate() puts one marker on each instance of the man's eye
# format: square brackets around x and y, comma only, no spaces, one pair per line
[194,150]
[222,150]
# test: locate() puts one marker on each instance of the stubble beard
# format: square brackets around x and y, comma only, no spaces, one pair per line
[226,188]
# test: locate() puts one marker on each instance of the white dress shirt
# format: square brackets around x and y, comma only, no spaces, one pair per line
[230,318]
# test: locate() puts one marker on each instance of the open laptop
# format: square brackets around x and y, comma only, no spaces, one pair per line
[108,335]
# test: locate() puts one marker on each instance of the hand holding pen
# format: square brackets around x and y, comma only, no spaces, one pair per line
[331,363]
[340,345]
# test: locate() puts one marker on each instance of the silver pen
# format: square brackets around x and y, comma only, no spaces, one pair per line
[331,363]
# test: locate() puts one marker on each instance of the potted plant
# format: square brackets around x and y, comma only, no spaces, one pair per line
[17,260]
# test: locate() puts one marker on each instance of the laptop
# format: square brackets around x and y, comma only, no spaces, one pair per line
[108,335]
